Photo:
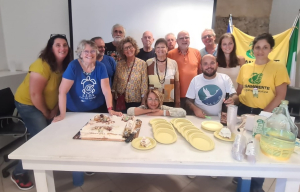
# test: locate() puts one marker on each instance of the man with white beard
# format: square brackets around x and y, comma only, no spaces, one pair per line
[118,33]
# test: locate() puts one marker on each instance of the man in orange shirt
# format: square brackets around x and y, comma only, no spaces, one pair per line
[188,61]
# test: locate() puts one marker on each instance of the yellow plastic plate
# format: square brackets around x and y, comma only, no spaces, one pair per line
[165,136]
[172,121]
[157,120]
[162,126]
[211,125]
[201,142]
[187,127]
[182,120]
[190,132]
[136,143]
[216,134]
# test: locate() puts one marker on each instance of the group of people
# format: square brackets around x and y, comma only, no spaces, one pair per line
[159,81]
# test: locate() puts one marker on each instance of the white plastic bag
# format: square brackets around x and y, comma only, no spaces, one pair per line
[239,146]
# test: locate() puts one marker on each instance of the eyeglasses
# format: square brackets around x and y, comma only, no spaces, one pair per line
[101,47]
[182,38]
[207,36]
[91,51]
[129,47]
[116,31]
[150,99]
[53,35]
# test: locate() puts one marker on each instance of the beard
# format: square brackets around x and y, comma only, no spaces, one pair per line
[117,39]
[209,74]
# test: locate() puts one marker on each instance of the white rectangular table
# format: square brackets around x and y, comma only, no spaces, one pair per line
[54,149]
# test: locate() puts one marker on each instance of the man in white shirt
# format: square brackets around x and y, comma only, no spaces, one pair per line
[207,91]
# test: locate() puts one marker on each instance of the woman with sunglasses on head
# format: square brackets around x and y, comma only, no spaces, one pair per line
[228,62]
[261,85]
[163,74]
[154,106]
[85,84]
[37,96]
[130,82]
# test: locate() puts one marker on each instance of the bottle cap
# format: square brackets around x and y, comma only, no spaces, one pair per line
[285,102]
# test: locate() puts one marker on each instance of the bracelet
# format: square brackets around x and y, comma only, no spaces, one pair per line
[109,108]
[165,112]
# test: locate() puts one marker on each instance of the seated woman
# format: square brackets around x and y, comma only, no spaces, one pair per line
[228,62]
[153,100]
[85,85]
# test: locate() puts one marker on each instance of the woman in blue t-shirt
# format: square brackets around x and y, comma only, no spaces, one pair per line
[85,84]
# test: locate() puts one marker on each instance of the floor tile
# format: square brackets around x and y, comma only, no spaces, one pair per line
[62,178]
[167,183]
[107,186]
[130,182]
[148,188]
[268,183]
[113,175]
[91,182]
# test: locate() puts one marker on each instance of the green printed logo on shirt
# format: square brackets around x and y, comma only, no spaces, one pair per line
[256,78]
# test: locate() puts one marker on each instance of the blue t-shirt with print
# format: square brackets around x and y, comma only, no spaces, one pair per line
[86,93]
[110,65]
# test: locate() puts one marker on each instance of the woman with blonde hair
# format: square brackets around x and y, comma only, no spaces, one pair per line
[153,100]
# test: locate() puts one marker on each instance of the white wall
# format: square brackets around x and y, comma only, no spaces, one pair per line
[27,25]
[3,61]
[282,17]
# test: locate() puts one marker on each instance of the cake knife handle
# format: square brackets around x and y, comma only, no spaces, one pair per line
[130,138]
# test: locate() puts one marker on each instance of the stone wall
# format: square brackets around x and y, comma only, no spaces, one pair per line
[249,25]
[250,16]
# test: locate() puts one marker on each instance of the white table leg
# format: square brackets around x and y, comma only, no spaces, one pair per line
[44,181]
[287,185]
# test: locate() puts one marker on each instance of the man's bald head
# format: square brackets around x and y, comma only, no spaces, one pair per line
[147,39]
[209,66]
[183,40]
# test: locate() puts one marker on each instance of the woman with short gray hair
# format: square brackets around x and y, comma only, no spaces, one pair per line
[85,85]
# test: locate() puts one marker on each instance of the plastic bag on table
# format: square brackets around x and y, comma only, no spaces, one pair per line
[239,146]
[250,151]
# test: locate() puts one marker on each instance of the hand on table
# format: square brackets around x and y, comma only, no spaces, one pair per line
[112,112]
[199,113]
[58,118]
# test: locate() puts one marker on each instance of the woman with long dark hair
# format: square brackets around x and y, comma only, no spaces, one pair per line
[228,62]
[37,97]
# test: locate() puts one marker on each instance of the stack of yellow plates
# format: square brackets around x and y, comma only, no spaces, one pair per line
[156,120]
[216,134]
[163,131]
[201,142]
[136,143]
[165,136]
[211,125]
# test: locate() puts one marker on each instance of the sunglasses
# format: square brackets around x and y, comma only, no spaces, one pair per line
[53,35]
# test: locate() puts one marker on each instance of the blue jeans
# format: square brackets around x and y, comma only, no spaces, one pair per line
[34,121]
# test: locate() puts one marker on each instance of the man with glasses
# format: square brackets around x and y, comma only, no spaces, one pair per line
[171,39]
[208,38]
[108,61]
[118,33]
[188,61]
[207,91]
[147,51]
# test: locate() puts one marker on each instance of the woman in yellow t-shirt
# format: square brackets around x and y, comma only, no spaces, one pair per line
[37,96]
[261,85]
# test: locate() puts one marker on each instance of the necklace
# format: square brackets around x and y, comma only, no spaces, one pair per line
[84,72]
[161,81]
[160,60]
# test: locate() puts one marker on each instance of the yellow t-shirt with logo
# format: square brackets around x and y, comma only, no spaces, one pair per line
[263,77]
[50,91]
